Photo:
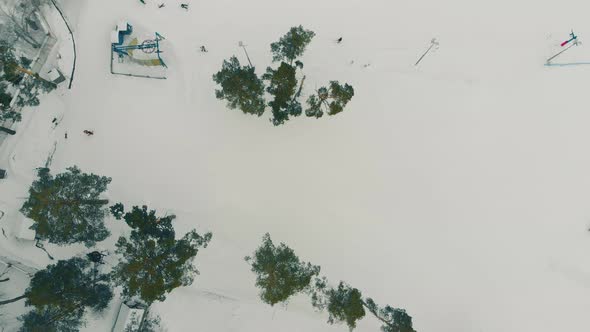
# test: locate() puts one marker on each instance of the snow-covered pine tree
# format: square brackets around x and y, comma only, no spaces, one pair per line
[240,87]
[61,293]
[152,262]
[331,100]
[292,45]
[282,84]
[279,272]
[67,208]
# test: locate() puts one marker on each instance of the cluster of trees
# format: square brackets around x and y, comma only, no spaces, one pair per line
[68,208]
[280,274]
[152,261]
[20,24]
[62,293]
[243,89]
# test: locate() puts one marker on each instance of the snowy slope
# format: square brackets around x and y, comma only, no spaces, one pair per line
[458,190]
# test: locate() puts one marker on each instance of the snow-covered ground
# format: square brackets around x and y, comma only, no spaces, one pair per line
[459,190]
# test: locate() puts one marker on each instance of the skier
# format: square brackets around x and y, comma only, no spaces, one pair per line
[89,132]
[184,6]
[66,135]
[573,38]
[339,40]
[161,5]
[203,49]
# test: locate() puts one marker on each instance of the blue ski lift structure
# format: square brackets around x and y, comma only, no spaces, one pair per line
[147,46]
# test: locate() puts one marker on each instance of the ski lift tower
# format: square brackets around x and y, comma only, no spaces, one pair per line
[572,41]
[148,46]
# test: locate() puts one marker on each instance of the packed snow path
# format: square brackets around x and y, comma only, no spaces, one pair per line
[459,190]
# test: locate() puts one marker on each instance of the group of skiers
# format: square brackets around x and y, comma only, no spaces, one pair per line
[203,49]
[86,131]
[182,5]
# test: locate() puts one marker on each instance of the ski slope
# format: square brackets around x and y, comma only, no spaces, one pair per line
[458,190]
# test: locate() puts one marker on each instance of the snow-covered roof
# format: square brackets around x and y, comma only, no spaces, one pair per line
[53,74]
[128,319]
[22,229]
[122,26]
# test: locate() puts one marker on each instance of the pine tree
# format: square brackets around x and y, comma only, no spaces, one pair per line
[52,319]
[61,293]
[70,284]
[283,81]
[145,222]
[240,87]
[345,304]
[393,319]
[292,45]
[282,85]
[67,208]
[153,262]
[279,272]
[118,210]
[332,100]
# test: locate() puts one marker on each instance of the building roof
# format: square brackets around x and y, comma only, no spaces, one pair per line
[22,229]
[122,26]
[53,74]
[128,319]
